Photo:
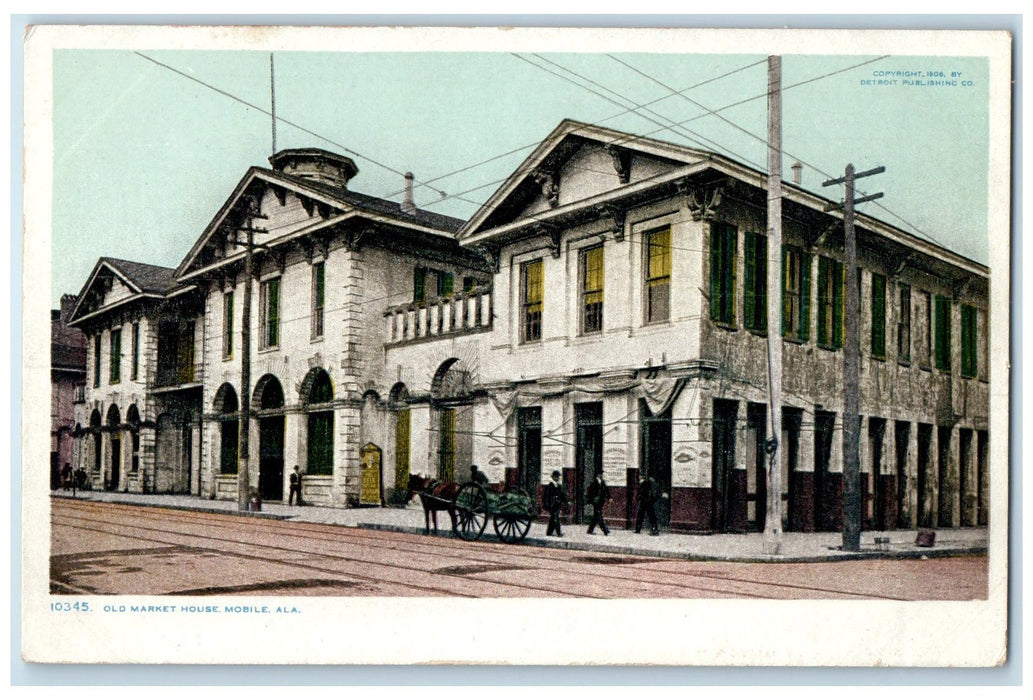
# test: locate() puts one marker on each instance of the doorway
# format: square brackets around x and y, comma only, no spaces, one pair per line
[723,462]
[824,431]
[880,509]
[902,441]
[529,448]
[656,457]
[757,472]
[116,462]
[270,458]
[588,452]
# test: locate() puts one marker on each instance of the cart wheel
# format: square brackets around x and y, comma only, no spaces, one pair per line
[471,505]
[512,528]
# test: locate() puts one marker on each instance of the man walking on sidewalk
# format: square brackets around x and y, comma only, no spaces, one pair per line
[295,486]
[554,498]
[598,495]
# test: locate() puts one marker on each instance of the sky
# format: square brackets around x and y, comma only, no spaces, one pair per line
[148,145]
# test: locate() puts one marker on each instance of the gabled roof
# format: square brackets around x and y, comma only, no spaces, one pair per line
[142,279]
[559,145]
[343,203]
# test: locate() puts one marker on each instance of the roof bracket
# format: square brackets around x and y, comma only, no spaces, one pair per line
[704,201]
[617,215]
[307,203]
[490,255]
[553,232]
[352,239]
[281,194]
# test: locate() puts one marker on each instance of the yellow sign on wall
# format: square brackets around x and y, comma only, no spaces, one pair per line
[370,494]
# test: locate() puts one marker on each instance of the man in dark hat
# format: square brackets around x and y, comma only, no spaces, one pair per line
[648,496]
[477,476]
[554,498]
[598,495]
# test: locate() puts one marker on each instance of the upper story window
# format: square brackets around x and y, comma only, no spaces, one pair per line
[96,360]
[227,325]
[831,298]
[904,324]
[722,272]
[969,335]
[318,298]
[115,365]
[755,282]
[878,316]
[135,367]
[796,293]
[428,284]
[658,275]
[269,303]
[942,323]
[532,294]
[592,273]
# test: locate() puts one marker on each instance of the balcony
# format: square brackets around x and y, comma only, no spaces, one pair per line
[456,314]
[79,394]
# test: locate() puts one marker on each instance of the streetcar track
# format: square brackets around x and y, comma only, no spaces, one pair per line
[548,590]
[519,587]
[189,518]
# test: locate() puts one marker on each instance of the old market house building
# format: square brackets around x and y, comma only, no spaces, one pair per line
[604,310]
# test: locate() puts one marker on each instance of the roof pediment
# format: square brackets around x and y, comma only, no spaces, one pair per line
[577,162]
[114,282]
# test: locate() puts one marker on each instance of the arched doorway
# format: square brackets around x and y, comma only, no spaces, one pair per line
[114,421]
[452,390]
[317,392]
[226,406]
[268,396]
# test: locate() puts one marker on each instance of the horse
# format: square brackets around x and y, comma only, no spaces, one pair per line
[435,496]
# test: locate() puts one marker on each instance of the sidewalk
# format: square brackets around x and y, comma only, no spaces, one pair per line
[796,546]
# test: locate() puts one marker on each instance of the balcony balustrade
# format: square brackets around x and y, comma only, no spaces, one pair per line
[455,314]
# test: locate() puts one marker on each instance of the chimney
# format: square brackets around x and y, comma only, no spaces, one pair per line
[407,204]
[67,303]
[797,169]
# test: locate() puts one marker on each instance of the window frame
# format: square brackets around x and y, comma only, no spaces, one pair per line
[755,282]
[97,364]
[134,373]
[942,334]
[594,296]
[904,323]
[227,325]
[878,316]
[318,299]
[969,341]
[657,279]
[269,322]
[724,248]
[530,306]
[796,317]
[831,300]
[115,358]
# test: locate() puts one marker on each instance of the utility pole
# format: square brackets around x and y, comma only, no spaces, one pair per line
[851,364]
[272,99]
[244,432]
[773,517]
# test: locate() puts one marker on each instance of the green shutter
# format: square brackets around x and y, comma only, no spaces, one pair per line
[878,316]
[943,334]
[715,272]
[824,288]
[419,280]
[749,297]
[839,300]
[785,290]
[274,312]
[760,284]
[969,330]
[445,283]
[805,296]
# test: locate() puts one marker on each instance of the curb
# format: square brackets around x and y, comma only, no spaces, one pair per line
[192,509]
[834,555]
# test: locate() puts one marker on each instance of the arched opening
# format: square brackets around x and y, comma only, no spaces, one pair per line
[133,419]
[318,398]
[268,396]
[226,406]
[114,419]
[452,389]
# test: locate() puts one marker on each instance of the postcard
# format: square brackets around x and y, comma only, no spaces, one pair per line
[410,345]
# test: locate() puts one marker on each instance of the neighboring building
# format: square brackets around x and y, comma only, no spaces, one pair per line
[141,416]
[630,335]
[67,383]
[604,310]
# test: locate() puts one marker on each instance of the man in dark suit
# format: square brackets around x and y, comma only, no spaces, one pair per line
[648,495]
[295,486]
[477,476]
[554,499]
[598,495]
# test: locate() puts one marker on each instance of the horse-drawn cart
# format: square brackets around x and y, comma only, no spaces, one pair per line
[471,506]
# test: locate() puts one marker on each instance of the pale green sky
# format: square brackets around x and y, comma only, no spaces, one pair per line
[144,157]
